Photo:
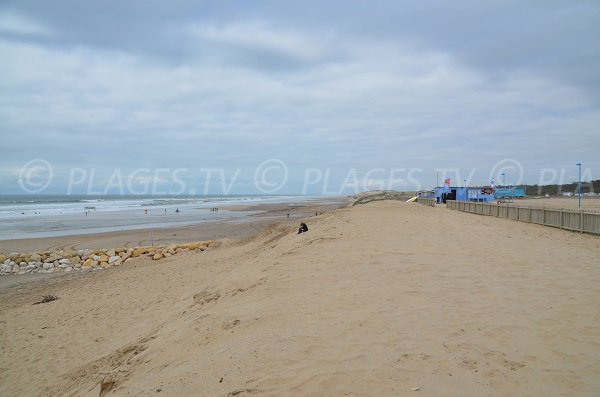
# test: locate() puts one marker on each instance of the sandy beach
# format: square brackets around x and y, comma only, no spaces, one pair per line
[555,202]
[382,299]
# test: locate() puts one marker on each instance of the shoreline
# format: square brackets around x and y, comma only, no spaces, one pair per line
[235,228]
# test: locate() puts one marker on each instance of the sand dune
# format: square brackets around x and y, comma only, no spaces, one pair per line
[375,300]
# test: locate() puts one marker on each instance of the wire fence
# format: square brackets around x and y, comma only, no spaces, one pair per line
[583,221]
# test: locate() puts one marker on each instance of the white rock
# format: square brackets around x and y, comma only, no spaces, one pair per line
[113,258]
[68,269]
[48,266]
[65,261]
[16,269]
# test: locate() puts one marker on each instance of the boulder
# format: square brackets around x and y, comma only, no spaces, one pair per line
[88,262]
[3,258]
[113,258]
[65,261]
[111,252]
[100,258]
[47,266]
[139,251]
[35,257]
[69,254]
[157,256]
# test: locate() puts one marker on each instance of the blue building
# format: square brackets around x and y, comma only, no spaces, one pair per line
[510,191]
[459,193]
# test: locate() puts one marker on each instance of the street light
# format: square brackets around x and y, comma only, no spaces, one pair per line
[579,186]
[503,179]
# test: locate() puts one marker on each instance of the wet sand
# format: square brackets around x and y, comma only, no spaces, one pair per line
[211,230]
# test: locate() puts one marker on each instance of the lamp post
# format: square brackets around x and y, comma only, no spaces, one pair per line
[503,179]
[579,186]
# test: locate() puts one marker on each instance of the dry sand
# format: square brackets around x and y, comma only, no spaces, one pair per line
[375,300]
[554,202]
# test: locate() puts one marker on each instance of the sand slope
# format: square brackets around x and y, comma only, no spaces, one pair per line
[374,300]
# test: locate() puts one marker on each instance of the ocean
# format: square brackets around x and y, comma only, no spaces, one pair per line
[34,216]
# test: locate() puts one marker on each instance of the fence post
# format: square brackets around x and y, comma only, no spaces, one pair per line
[581,221]
[561,218]
[543,216]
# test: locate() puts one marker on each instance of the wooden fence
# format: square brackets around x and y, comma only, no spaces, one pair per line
[582,221]
[426,201]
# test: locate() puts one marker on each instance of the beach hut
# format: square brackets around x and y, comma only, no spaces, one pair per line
[510,191]
[480,194]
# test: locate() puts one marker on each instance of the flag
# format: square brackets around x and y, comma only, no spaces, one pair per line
[492,184]
[447,185]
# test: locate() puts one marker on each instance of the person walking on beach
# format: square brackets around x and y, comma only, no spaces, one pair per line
[177,211]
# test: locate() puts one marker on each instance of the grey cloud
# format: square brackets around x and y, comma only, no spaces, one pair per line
[340,85]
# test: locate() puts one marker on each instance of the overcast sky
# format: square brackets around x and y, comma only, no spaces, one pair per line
[465,88]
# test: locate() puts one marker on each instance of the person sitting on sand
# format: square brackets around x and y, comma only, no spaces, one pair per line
[303,228]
